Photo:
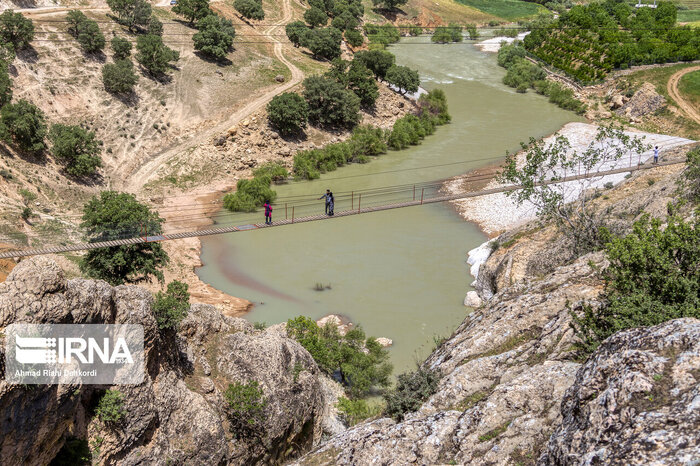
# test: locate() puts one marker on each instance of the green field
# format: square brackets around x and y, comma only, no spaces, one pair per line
[689,87]
[506,9]
[687,16]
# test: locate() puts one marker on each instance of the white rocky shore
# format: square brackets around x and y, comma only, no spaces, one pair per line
[496,213]
[493,44]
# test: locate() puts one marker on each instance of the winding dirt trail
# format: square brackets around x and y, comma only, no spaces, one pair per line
[672,88]
[142,174]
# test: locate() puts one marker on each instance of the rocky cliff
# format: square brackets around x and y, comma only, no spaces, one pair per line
[178,414]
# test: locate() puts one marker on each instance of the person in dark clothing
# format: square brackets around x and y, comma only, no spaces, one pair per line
[329,201]
[268,213]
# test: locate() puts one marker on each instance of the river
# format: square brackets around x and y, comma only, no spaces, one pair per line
[402,273]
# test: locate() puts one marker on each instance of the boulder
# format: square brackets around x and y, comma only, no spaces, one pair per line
[279,78]
[472,299]
[646,100]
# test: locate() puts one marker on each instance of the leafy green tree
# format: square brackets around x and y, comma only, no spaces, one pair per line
[288,113]
[215,36]
[171,307]
[324,42]
[132,13]
[457,32]
[377,61]
[330,104]
[5,86]
[77,147]
[368,140]
[652,278]
[155,26]
[389,4]
[15,29]
[361,362]
[354,37]
[75,18]
[296,31]
[119,77]
[544,165]
[345,21]
[121,48]
[250,9]
[153,55]
[315,17]
[511,53]
[24,124]
[110,409]
[441,36]
[275,170]
[246,407]
[90,37]
[113,215]
[434,105]
[361,82]
[522,74]
[250,194]
[193,10]
[406,79]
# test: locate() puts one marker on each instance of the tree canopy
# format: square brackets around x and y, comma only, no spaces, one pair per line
[86,31]
[315,17]
[154,55]
[132,13]
[121,48]
[215,36]
[330,104]
[389,4]
[77,148]
[296,31]
[250,9]
[113,215]
[377,61]
[323,42]
[15,29]
[406,79]
[193,10]
[288,113]
[5,86]
[119,77]
[24,124]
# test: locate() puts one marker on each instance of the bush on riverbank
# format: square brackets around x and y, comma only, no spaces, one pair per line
[360,362]
[371,141]
[250,194]
[559,95]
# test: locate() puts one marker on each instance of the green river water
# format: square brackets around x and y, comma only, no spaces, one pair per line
[402,273]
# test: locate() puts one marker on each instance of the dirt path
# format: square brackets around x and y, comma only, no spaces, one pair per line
[672,87]
[141,175]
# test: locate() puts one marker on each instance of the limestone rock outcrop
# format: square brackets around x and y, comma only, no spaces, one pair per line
[646,100]
[178,415]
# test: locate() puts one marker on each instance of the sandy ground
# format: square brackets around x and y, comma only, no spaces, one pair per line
[496,213]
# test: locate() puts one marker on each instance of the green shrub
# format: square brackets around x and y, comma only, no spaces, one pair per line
[121,48]
[246,406]
[172,306]
[360,361]
[251,9]
[691,175]
[434,105]
[404,78]
[522,74]
[411,390]
[215,37]
[652,278]
[275,170]
[75,451]
[77,147]
[368,140]
[24,124]
[119,77]
[250,194]
[330,104]
[354,411]
[110,409]
[324,43]
[510,53]
[305,167]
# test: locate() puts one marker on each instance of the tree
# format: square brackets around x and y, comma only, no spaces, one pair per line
[77,147]
[288,113]
[354,37]
[132,13]
[75,18]
[250,9]
[172,306]
[406,79]
[24,124]
[15,29]
[296,32]
[155,26]
[324,42]
[546,163]
[193,10]
[90,37]
[330,104]
[691,175]
[412,389]
[652,278]
[119,77]
[154,55]
[215,36]
[121,48]
[389,4]
[5,86]
[361,82]
[315,17]
[377,61]
[113,215]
